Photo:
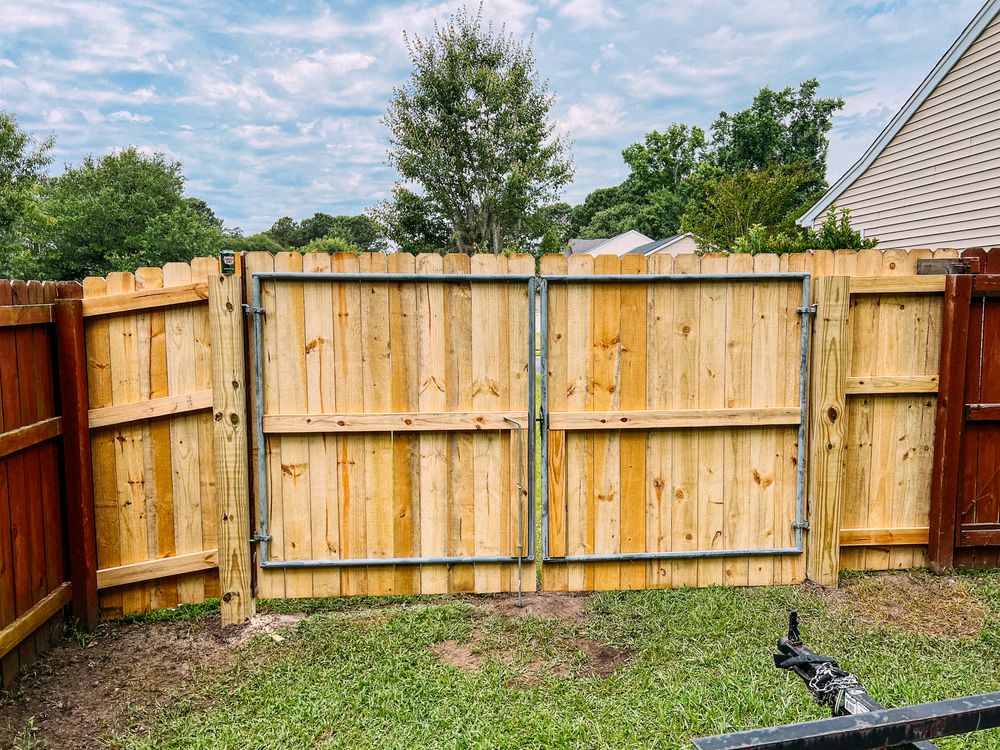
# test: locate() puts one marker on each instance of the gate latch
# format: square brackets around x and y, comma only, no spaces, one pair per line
[251,310]
[257,537]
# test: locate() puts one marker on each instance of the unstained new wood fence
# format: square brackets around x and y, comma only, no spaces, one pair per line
[391,410]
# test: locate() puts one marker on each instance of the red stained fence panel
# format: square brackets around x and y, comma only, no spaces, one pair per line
[965,499]
[35,508]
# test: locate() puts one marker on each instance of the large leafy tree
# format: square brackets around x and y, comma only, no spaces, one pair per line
[23,160]
[761,166]
[729,204]
[785,127]
[360,231]
[470,130]
[117,213]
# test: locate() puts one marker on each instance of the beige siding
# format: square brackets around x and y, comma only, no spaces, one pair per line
[937,183]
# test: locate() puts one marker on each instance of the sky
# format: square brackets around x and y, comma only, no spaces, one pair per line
[273,108]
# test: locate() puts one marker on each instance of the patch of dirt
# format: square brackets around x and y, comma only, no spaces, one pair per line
[601,660]
[237,635]
[76,694]
[915,602]
[571,608]
[582,657]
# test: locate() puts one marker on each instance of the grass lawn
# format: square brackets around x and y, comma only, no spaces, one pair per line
[615,670]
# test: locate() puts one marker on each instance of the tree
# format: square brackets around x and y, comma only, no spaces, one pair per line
[287,232]
[23,160]
[118,213]
[471,130]
[727,205]
[785,127]
[412,222]
[331,245]
[664,160]
[360,231]
[255,242]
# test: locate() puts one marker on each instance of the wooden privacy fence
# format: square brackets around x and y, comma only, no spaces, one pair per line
[150,384]
[385,433]
[46,512]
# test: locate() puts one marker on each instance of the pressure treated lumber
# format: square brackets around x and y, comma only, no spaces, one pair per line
[393,422]
[166,406]
[230,433]
[30,435]
[888,384]
[827,443]
[149,570]
[884,537]
[12,635]
[24,315]
[897,284]
[652,419]
[179,294]
[77,467]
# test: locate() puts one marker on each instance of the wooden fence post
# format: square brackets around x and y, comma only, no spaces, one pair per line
[231,477]
[950,422]
[828,430]
[77,462]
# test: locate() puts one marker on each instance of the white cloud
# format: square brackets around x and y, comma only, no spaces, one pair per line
[598,116]
[314,71]
[589,13]
[127,116]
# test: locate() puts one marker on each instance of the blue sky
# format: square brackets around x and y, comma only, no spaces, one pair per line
[273,108]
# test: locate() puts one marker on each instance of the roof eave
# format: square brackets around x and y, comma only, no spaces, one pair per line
[943,67]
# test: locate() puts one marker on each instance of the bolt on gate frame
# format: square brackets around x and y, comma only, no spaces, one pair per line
[256,310]
[806,312]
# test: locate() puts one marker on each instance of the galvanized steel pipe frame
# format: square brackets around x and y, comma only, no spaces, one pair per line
[806,312]
[257,310]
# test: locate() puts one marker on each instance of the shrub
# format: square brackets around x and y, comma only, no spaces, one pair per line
[330,245]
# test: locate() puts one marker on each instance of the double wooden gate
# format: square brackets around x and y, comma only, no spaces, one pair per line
[396,402]
[965,496]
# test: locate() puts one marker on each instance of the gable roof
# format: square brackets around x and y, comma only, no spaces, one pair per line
[943,67]
[651,247]
[577,246]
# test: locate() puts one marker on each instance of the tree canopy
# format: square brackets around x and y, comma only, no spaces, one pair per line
[761,166]
[470,131]
[116,213]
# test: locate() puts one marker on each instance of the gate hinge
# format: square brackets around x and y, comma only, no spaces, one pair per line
[258,537]
[810,310]
[251,310]
[804,525]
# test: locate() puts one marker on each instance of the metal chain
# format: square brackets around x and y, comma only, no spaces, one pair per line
[830,681]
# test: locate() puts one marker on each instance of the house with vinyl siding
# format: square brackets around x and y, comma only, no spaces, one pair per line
[932,178]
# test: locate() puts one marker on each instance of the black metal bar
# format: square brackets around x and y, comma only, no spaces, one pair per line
[884,728]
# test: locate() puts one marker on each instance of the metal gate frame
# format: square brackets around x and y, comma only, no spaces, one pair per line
[807,312]
[257,311]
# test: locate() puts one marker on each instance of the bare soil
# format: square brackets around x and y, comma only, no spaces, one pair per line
[78,693]
[570,655]
[915,602]
[546,606]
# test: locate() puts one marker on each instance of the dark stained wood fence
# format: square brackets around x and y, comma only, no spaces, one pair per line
[965,499]
[36,511]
